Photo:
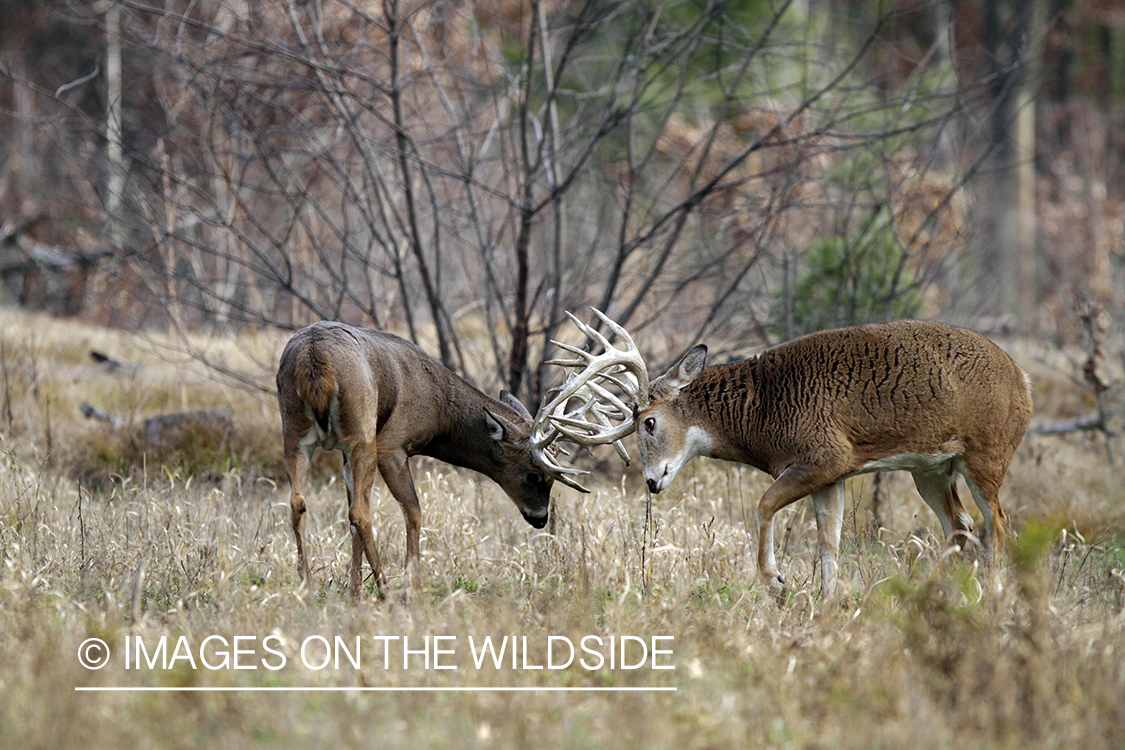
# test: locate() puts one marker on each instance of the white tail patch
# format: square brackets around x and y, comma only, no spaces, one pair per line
[324,439]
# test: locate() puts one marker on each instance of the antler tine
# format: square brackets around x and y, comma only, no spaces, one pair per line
[616,327]
[541,450]
[627,387]
[574,427]
[592,332]
[584,356]
[595,380]
[630,348]
[618,330]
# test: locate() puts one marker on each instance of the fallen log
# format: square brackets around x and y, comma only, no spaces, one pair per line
[92,412]
[1109,419]
[172,430]
[111,363]
[1091,421]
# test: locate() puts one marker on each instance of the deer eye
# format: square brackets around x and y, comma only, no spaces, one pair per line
[650,425]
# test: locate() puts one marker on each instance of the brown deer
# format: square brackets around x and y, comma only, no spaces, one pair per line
[379,400]
[923,397]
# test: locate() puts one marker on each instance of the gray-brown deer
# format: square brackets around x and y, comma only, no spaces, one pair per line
[927,398]
[379,399]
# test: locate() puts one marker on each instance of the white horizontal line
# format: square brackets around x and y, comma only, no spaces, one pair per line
[376,689]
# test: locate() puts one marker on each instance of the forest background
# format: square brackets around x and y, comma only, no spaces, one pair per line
[463,173]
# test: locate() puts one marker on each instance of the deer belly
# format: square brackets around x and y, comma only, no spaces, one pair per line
[926,462]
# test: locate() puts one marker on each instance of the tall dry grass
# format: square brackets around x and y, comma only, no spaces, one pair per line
[917,655]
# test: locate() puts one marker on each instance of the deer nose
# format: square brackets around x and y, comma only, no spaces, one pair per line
[537,522]
[652,486]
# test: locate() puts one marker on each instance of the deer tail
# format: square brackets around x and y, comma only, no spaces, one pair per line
[316,383]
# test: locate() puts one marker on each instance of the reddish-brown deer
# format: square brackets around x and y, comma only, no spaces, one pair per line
[379,400]
[927,398]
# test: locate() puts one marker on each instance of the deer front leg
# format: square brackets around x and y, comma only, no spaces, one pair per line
[396,473]
[797,481]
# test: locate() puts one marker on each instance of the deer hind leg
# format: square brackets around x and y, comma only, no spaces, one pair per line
[296,466]
[828,505]
[939,489]
[396,473]
[984,479]
[359,476]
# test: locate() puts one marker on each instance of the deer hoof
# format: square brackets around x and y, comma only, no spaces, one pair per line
[775,586]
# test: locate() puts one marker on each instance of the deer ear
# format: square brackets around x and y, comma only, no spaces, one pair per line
[497,427]
[687,369]
[508,399]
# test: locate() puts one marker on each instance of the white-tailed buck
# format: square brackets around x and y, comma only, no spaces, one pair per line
[380,399]
[923,397]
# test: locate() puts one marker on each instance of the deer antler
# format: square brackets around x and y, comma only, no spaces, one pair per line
[601,416]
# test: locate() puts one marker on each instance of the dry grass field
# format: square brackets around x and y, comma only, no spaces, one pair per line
[219,647]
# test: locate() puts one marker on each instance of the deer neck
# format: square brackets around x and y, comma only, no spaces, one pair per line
[462,438]
[722,402]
